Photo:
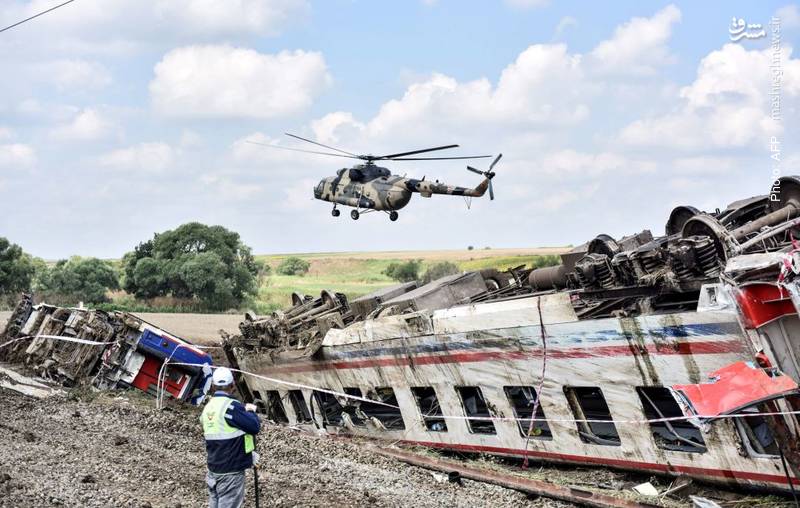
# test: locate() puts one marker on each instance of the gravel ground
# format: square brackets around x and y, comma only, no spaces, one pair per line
[120,451]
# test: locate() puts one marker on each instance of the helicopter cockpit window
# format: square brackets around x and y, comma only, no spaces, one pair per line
[356,174]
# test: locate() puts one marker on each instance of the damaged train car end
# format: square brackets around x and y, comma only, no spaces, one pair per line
[110,350]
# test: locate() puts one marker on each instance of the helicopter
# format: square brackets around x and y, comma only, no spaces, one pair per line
[368,187]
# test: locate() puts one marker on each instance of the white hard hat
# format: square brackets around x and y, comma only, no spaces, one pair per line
[222,377]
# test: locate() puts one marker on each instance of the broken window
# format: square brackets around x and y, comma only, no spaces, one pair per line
[755,433]
[429,407]
[678,435]
[588,403]
[259,401]
[522,399]
[275,411]
[299,405]
[329,407]
[352,407]
[390,417]
[475,407]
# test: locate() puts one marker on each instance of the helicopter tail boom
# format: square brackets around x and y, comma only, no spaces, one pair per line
[427,188]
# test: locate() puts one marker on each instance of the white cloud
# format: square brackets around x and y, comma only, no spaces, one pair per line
[126,26]
[145,157]
[229,189]
[564,23]
[329,128]
[262,17]
[223,81]
[726,106]
[789,16]
[546,88]
[16,155]
[88,125]
[592,164]
[75,74]
[6,133]
[638,46]
[251,148]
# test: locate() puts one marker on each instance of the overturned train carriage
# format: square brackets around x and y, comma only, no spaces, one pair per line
[107,349]
[675,354]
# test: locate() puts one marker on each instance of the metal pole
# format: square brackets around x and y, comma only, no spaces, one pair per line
[255,481]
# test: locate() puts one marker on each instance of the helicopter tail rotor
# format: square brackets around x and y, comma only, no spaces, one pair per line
[488,174]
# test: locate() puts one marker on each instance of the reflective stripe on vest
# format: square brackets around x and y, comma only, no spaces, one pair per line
[215,425]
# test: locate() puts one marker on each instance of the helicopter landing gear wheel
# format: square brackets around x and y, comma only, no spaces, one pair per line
[393,216]
[335,212]
[354,214]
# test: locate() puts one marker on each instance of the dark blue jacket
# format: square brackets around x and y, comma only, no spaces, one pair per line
[228,456]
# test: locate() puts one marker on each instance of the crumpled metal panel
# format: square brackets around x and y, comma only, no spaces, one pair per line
[732,388]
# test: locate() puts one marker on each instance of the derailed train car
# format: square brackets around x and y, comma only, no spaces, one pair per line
[675,354]
[107,349]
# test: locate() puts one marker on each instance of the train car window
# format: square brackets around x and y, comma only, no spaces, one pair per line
[522,399]
[275,410]
[676,435]
[429,408]
[390,417]
[300,407]
[754,431]
[353,406]
[329,407]
[475,407]
[588,403]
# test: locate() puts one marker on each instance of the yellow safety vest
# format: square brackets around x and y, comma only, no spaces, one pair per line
[216,427]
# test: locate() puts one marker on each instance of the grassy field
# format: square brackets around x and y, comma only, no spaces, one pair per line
[358,273]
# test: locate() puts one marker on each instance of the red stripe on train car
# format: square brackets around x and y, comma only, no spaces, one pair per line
[681,348]
[619,463]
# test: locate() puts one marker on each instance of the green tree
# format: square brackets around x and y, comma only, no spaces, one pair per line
[405,271]
[546,260]
[193,261]
[293,266]
[79,280]
[440,270]
[16,269]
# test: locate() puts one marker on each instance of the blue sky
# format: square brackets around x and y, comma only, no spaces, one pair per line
[122,118]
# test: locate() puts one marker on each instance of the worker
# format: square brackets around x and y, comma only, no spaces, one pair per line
[229,429]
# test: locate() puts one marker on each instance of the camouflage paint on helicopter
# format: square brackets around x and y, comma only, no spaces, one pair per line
[368,187]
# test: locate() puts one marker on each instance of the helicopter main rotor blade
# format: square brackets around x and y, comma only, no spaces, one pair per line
[320,144]
[439,158]
[402,154]
[300,150]
[495,162]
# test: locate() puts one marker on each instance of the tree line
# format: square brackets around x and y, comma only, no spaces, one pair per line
[207,266]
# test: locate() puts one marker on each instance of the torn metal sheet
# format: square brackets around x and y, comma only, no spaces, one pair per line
[12,380]
[733,388]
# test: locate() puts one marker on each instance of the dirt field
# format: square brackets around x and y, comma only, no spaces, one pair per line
[90,450]
[121,452]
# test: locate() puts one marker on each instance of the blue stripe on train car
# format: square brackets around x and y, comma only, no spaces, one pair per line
[166,347]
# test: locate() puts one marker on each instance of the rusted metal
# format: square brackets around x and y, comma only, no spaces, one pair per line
[526,485]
